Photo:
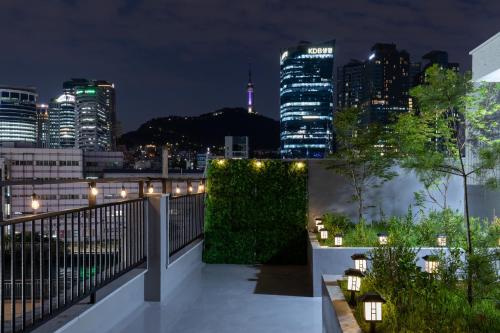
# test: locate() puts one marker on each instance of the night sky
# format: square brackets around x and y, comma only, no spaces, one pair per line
[189,57]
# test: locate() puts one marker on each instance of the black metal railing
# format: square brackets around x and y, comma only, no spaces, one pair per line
[186,219]
[51,261]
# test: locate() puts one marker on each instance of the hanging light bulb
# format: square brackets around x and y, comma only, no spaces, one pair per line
[201,187]
[93,190]
[123,192]
[177,189]
[151,189]
[190,188]
[35,203]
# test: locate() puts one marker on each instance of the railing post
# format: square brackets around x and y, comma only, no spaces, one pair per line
[157,248]
[166,186]
[141,189]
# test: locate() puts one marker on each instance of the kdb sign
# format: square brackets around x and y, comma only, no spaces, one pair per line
[320,50]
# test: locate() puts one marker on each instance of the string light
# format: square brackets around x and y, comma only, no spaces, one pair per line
[93,190]
[35,202]
[123,192]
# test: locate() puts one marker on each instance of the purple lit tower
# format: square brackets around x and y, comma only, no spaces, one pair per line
[250,92]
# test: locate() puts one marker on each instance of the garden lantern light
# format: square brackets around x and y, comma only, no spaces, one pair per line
[372,308]
[123,192]
[359,261]
[35,202]
[441,240]
[300,165]
[431,263]
[338,240]
[383,238]
[323,233]
[354,277]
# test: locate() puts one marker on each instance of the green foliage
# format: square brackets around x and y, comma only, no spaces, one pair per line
[418,302]
[359,156]
[256,213]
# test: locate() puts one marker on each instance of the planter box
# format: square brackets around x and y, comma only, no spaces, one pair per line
[335,260]
[337,315]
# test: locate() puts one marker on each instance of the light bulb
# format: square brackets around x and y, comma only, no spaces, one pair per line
[177,189]
[35,203]
[94,191]
[123,192]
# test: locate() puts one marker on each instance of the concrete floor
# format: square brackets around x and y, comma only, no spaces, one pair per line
[233,298]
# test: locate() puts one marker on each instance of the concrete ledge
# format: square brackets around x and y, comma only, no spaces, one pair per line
[189,261]
[337,315]
[115,302]
[335,260]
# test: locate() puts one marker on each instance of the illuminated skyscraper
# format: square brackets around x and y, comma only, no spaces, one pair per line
[62,121]
[42,126]
[18,116]
[306,100]
[250,93]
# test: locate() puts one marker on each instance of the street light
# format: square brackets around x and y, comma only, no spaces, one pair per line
[123,192]
[359,261]
[383,238]
[323,233]
[441,240]
[372,308]
[354,277]
[431,263]
[35,202]
[338,240]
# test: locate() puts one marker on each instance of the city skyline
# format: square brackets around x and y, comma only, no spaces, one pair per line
[114,44]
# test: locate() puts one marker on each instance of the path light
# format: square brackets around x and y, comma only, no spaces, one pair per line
[372,308]
[323,233]
[151,189]
[177,189]
[300,165]
[359,261]
[431,263]
[354,277]
[338,240]
[441,240]
[383,238]
[93,190]
[123,192]
[35,202]
[201,187]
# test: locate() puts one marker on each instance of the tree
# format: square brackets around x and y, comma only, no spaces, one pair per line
[432,139]
[360,155]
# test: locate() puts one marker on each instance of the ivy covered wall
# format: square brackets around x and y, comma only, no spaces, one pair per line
[256,212]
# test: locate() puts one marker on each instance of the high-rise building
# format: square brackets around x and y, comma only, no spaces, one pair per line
[42,126]
[350,84]
[95,114]
[18,116]
[387,78]
[62,121]
[250,106]
[435,57]
[306,100]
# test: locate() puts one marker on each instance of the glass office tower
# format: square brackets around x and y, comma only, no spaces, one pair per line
[306,100]
[62,119]
[18,116]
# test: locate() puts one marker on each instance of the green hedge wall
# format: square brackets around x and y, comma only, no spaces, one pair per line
[256,212]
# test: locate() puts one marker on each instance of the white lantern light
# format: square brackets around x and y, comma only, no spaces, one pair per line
[323,233]
[441,240]
[354,277]
[123,192]
[372,308]
[431,263]
[338,240]
[359,261]
[35,202]
[383,238]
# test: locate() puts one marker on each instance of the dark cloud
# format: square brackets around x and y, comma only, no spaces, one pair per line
[190,56]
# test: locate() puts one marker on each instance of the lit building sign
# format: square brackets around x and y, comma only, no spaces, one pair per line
[65,98]
[320,50]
